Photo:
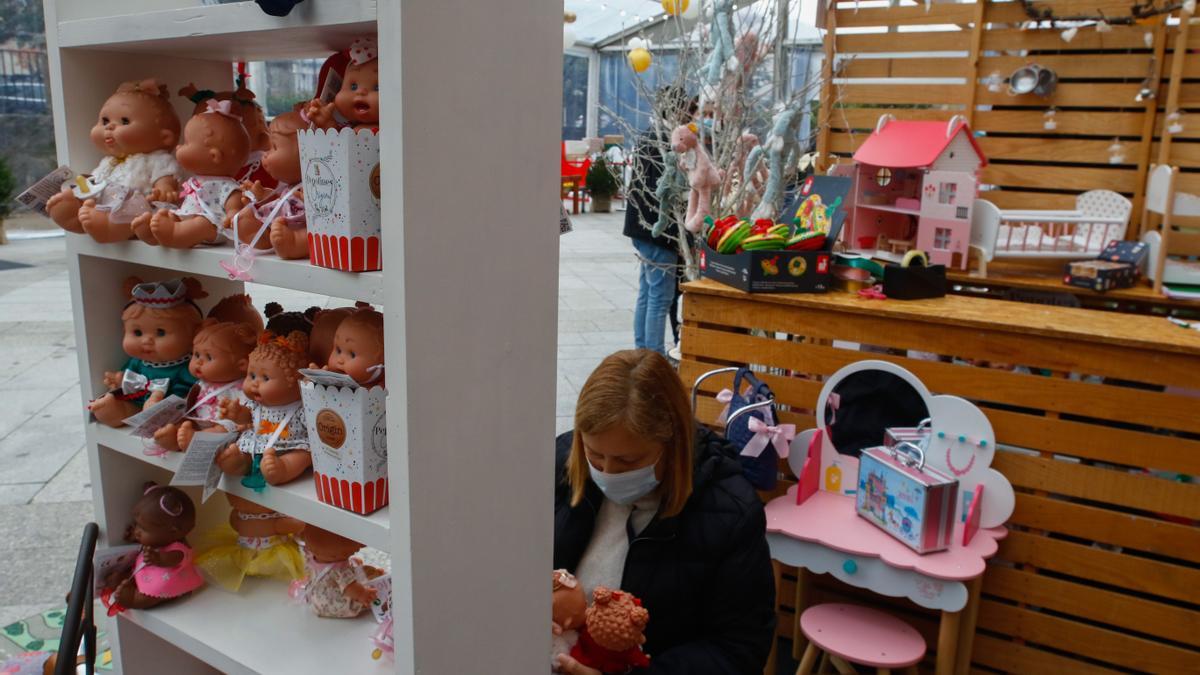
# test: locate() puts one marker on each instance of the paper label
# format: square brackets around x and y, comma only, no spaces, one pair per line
[199,466]
[333,84]
[36,195]
[328,378]
[167,411]
[381,606]
[111,562]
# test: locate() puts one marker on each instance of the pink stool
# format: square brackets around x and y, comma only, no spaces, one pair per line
[859,635]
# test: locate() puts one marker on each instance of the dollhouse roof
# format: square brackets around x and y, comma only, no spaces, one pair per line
[911,144]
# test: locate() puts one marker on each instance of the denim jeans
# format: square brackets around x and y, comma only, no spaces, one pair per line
[656,288]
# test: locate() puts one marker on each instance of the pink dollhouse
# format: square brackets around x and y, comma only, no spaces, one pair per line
[915,183]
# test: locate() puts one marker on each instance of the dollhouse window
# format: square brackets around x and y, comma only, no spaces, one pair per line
[961,213]
[941,238]
[947,192]
[883,177]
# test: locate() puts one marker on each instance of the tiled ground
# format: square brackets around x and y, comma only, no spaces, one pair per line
[45,489]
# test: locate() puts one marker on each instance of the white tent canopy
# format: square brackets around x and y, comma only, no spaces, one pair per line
[601,21]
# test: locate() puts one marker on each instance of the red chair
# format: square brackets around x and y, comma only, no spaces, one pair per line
[574,178]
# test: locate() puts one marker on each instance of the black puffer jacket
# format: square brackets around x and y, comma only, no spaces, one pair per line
[704,575]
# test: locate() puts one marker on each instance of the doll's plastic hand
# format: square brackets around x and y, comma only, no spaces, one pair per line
[260,193]
[230,409]
[165,195]
[154,397]
[565,664]
[362,594]
[319,114]
[555,628]
[112,379]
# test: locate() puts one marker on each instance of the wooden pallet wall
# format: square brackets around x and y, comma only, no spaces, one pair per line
[918,63]
[1101,568]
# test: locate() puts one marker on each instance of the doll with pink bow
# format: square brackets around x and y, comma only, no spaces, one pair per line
[215,148]
[356,104]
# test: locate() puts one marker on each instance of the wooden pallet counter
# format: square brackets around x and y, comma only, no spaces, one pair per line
[1096,430]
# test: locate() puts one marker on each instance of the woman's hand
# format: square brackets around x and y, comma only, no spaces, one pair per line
[565,664]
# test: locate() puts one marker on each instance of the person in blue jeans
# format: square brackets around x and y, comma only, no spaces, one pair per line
[659,255]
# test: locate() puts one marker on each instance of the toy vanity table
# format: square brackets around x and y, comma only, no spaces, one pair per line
[816,528]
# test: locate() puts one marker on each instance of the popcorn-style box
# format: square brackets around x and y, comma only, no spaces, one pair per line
[347,431]
[340,172]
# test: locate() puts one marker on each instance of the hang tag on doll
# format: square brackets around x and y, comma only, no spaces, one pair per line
[328,378]
[381,606]
[107,562]
[199,465]
[333,84]
[35,196]
[167,411]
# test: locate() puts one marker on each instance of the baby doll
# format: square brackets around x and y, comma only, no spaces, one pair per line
[334,587]
[215,147]
[160,321]
[358,347]
[280,322]
[569,607]
[245,107]
[324,326]
[162,517]
[237,308]
[356,104]
[220,356]
[136,130]
[273,445]
[284,204]
[611,639]
[258,543]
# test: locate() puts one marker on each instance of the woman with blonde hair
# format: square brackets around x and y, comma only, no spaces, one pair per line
[648,502]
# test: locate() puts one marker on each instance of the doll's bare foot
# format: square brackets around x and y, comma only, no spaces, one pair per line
[167,437]
[290,244]
[111,410]
[233,461]
[63,209]
[280,469]
[186,233]
[98,226]
[183,437]
[141,226]
[128,596]
[247,228]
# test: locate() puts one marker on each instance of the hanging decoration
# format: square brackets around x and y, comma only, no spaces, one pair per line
[722,55]
[675,7]
[569,37]
[1048,120]
[994,82]
[1116,152]
[1139,12]
[1175,123]
[639,54]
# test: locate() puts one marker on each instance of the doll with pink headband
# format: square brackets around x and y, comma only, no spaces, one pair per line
[356,104]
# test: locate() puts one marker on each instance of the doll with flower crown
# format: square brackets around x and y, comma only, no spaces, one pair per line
[257,542]
[273,444]
[220,357]
[164,569]
[356,105]
[215,148]
[136,130]
[160,321]
[279,208]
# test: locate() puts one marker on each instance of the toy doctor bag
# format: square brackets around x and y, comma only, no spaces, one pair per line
[902,496]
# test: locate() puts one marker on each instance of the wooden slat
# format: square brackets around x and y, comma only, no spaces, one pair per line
[1181,153]
[1046,149]
[917,67]
[1092,66]
[1099,643]
[1016,199]
[904,94]
[1067,94]
[1188,181]
[791,390]
[1121,37]
[1110,527]
[845,144]
[1183,242]
[1013,657]
[1114,609]
[902,42]
[865,118]
[1131,573]
[997,386]
[1111,486]
[905,16]
[1115,179]
[1093,123]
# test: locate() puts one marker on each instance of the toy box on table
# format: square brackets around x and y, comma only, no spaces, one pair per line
[347,427]
[1118,266]
[912,502]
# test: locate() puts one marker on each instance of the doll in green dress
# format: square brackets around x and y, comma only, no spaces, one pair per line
[160,320]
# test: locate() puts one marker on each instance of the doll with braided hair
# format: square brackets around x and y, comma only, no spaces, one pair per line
[273,445]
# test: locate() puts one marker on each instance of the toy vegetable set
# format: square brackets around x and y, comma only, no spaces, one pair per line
[306,185]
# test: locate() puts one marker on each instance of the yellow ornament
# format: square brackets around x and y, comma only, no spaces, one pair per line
[639,59]
[674,7]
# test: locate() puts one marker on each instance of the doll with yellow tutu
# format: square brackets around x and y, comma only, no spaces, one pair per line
[258,542]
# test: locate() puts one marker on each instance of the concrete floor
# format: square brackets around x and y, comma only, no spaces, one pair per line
[45,489]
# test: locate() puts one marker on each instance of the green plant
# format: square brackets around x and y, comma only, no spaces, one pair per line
[600,180]
[8,187]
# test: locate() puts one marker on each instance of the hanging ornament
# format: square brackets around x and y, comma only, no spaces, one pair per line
[1148,38]
[1070,33]
[1175,123]
[1189,6]
[639,59]
[1048,121]
[1103,27]
[675,7]
[1116,152]
[928,5]
[995,82]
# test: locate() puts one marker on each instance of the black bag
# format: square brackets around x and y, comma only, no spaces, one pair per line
[909,281]
[762,471]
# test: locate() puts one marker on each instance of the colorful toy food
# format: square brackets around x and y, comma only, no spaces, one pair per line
[358,347]
[136,130]
[163,570]
[215,148]
[160,321]
[273,445]
[612,637]
[334,584]
[258,542]
[356,104]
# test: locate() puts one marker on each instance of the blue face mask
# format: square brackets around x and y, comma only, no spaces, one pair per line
[625,488]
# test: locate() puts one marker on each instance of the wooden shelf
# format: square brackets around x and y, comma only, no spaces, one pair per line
[230,32]
[261,630]
[269,270]
[297,499]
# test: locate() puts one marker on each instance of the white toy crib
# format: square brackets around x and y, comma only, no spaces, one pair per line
[1100,216]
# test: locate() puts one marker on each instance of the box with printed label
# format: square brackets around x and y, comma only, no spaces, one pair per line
[340,173]
[347,430]
[910,501]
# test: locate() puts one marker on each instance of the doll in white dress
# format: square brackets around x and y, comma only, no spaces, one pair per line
[136,130]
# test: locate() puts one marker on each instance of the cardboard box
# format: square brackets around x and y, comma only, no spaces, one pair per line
[340,172]
[1100,275]
[347,430]
[769,271]
[914,503]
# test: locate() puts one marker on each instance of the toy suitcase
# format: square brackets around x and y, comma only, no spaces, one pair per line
[902,496]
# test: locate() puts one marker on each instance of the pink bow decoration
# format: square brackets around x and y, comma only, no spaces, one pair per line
[780,436]
[221,108]
[363,50]
[725,396]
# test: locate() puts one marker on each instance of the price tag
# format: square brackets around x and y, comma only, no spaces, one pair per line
[329,378]
[36,195]
[381,607]
[110,562]
[167,411]
[199,466]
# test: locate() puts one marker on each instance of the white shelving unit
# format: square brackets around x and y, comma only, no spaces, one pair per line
[470,98]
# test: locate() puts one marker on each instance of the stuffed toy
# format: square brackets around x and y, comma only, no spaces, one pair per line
[612,637]
[671,186]
[783,152]
[721,34]
[702,174]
